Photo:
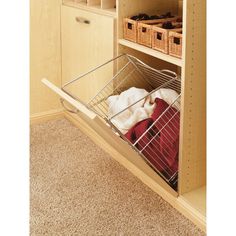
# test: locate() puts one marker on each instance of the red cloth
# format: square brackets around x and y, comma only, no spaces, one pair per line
[160,144]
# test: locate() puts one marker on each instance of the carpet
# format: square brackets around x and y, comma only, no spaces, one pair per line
[78,189]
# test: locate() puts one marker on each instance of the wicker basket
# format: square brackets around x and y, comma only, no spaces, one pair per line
[144,29]
[175,43]
[130,29]
[160,38]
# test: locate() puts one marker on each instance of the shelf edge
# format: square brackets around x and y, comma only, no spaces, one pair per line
[151,52]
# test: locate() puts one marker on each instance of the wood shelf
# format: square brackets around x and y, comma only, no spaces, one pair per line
[151,52]
[92,8]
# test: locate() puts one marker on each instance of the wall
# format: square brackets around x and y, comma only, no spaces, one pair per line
[45,54]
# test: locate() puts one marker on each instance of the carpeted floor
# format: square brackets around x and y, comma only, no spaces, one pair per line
[78,189]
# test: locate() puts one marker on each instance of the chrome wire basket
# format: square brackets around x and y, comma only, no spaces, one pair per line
[158,144]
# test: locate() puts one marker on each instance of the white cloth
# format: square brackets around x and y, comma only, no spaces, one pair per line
[139,111]
[132,115]
[168,95]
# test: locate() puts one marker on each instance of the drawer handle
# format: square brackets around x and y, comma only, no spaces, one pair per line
[66,108]
[82,20]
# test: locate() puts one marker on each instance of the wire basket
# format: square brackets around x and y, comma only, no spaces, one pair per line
[158,143]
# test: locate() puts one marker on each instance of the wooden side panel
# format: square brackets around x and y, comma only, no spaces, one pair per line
[193,121]
[180,8]
[45,54]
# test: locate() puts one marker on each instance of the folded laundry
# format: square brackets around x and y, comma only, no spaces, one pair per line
[157,138]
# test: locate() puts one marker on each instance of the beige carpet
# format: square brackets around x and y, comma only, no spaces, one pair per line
[78,189]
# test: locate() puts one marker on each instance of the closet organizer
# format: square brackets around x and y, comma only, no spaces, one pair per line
[166,150]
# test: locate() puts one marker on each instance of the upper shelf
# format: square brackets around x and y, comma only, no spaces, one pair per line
[151,52]
[102,8]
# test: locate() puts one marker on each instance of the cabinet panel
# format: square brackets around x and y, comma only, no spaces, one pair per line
[193,139]
[87,41]
[45,55]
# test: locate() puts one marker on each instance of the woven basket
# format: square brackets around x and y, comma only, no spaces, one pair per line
[175,43]
[130,29]
[160,38]
[144,29]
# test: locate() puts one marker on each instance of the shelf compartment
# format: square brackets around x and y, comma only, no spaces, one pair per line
[108,4]
[151,52]
[94,2]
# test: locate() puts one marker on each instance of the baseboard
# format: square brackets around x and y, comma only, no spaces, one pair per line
[46,116]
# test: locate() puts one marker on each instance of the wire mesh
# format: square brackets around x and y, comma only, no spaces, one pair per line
[158,144]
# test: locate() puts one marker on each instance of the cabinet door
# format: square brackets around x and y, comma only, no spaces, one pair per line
[87,41]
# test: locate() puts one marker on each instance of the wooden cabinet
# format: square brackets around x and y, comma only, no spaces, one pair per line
[192,69]
[87,41]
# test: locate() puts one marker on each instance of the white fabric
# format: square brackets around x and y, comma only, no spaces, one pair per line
[140,111]
[132,115]
[168,95]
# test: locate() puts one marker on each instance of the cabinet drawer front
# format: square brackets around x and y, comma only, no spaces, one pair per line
[87,41]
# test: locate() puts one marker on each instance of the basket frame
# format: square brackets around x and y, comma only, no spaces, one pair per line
[167,78]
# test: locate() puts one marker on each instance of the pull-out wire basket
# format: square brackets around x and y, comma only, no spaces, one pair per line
[156,138]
